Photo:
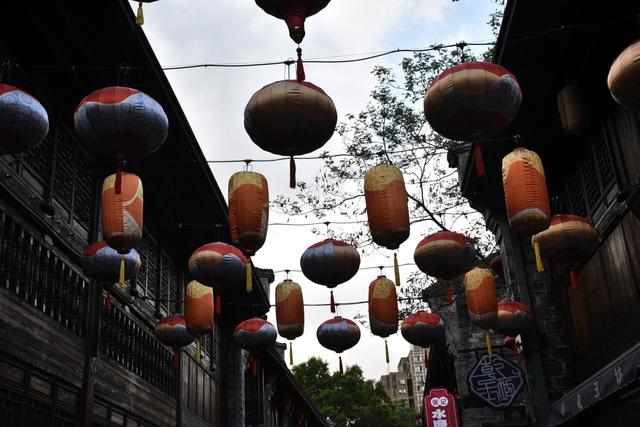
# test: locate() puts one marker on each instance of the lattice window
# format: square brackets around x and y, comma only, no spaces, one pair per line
[65,170]
[37,159]
[576,195]
[84,191]
[152,266]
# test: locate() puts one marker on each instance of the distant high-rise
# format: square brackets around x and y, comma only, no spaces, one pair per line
[407,383]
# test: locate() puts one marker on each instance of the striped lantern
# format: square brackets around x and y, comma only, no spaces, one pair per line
[472,101]
[387,208]
[383,310]
[338,334]
[172,332]
[423,328]
[218,265]
[572,107]
[289,312]
[121,123]
[330,263]
[624,77]
[481,297]
[568,239]
[122,212]
[100,262]
[290,118]
[525,191]
[255,334]
[248,214]
[513,318]
[293,12]
[24,122]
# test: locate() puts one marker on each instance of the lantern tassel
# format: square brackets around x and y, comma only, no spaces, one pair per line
[218,303]
[396,268]
[140,15]
[536,250]
[427,362]
[174,360]
[121,275]
[487,340]
[480,171]
[449,294]
[198,350]
[340,365]
[332,303]
[249,276]
[291,353]
[299,67]
[386,351]
[573,279]
[107,302]
[292,173]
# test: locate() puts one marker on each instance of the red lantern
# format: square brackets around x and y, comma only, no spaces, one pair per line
[290,118]
[338,334]
[255,334]
[513,318]
[624,76]
[423,328]
[294,13]
[330,263]
[572,107]
[198,311]
[481,297]
[387,208]
[525,191]
[24,122]
[122,212]
[383,310]
[497,265]
[289,312]
[172,332]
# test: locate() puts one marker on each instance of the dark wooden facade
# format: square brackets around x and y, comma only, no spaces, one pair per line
[64,359]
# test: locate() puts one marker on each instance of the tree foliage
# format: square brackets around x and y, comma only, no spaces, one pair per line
[350,400]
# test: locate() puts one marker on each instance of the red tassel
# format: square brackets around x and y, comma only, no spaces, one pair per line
[479,160]
[174,360]
[218,304]
[573,279]
[299,67]
[427,362]
[341,368]
[292,173]
[333,303]
[118,184]
[449,294]
[254,366]
[513,345]
[107,302]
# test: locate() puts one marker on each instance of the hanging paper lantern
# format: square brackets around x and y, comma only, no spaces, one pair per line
[24,122]
[330,262]
[218,265]
[513,318]
[198,308]
[121,123]
[248,210]
[387,208]
[624,77]
[290,118]
[422,328]
[293,12]
[289,309]
[172,331]
[445,255]
[338,334]
[122,212]
[100,262]
[572,107]
[255,334]
[525,191]
[481,297]
[497,266]
[383,307]
[510,342]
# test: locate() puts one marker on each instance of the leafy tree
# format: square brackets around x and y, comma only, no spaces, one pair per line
[350,400]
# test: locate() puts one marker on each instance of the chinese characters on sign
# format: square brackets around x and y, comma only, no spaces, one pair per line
[495,381]
[440,409]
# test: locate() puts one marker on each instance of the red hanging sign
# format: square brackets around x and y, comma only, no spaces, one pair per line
[440,409]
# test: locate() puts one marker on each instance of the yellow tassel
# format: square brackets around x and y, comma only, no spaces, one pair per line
[536,249]
[198,350]
[386,351]
[249,276]
[140,15]
[396,268]
[121,277]
[291,353]
[487,339]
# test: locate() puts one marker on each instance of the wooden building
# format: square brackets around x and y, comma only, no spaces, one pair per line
[64,359]
[582,356]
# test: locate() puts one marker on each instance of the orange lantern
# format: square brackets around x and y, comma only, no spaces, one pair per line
[387,208]
[383,310]
[513,318]
[248,214]
[289,312]
[198,311]
[525,191]
[481,297]
[624,76]
[572,106]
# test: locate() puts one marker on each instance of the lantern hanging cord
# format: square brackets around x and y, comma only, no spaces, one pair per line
[361,268]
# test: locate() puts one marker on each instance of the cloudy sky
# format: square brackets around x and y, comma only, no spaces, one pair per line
[229,31]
